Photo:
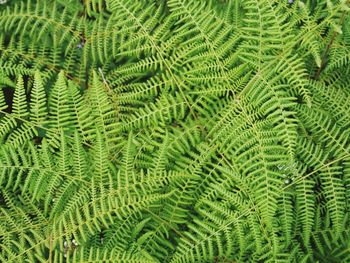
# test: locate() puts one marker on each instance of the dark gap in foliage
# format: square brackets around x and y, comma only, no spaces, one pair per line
[8,94]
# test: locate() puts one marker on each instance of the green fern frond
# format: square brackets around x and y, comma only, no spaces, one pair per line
[38,111]
[19,100]
[174,131]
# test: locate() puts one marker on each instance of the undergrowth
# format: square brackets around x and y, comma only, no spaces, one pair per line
[174,131]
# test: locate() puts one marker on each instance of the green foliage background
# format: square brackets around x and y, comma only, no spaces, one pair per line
[174,131]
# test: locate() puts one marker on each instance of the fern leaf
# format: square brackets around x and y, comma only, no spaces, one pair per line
[19,100]
[38,111]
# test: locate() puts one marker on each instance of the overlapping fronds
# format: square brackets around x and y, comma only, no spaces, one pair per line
[174,131]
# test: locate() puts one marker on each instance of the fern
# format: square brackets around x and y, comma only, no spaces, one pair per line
[174,131]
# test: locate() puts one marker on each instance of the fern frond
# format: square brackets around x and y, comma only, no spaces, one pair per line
[60,116]
[174,131]
[38,110]
[19,100]
[103,112]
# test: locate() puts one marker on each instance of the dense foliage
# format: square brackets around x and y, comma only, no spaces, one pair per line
[174,131]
